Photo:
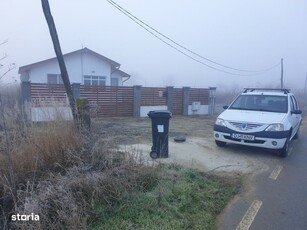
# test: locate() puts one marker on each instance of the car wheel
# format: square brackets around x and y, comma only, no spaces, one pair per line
[283,152]
[220,143]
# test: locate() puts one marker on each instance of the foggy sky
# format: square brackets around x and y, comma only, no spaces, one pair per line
[251,35]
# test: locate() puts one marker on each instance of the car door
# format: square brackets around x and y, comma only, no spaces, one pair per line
[295,119]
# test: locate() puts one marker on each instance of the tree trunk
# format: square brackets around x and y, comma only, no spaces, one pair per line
[59,55]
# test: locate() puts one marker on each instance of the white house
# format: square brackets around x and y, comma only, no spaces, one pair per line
[84,66]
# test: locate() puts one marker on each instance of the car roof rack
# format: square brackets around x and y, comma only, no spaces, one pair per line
[286,91]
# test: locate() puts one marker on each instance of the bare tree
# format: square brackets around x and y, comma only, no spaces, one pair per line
[59,55]
[10,67]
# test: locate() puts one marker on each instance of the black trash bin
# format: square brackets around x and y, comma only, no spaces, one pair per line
[160,128]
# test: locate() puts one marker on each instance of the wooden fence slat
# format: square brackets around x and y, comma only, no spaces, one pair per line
[107,101]
[177,101]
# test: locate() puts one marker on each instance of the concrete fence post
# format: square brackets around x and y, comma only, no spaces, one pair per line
[137,89]
[75,90]
[212,97]
[26,100]
[26,91]
[169,98]
[185,100]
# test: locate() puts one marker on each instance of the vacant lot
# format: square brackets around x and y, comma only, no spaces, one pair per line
[199,151]
[132,131]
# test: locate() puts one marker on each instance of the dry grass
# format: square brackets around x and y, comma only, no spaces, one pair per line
[45,149]
[68,201]
[44,146]
[41,146]
[61,174]
[32,152]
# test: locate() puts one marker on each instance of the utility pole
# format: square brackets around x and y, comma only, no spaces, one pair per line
[282,74]
[58,51]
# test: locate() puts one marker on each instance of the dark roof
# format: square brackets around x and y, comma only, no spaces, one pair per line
[84,50]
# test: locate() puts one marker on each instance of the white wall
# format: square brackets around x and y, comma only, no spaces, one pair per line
[39,73]
[95,66]
[51,113]
[91,66]
[203,110]
[117,75]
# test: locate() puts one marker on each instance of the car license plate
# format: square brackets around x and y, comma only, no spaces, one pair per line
[242,136]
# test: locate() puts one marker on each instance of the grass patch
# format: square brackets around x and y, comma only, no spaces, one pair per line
[181,199]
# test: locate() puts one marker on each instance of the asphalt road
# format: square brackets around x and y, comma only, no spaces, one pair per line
[275,198]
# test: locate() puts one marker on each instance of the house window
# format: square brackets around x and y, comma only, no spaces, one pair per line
[54,79]
[114,81]
[94,80]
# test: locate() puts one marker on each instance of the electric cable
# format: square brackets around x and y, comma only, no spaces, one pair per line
[148,28]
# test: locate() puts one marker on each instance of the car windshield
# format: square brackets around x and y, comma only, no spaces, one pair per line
[267,103]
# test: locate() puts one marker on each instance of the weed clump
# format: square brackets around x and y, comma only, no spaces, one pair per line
[71,201]
[33,154]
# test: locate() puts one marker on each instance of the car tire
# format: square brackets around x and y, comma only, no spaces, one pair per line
[283,152]
[179,139]
[220,143]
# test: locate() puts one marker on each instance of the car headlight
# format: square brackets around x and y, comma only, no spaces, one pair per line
[220,122]
[275,127]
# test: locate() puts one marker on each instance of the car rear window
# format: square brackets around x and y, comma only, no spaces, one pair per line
[267,103]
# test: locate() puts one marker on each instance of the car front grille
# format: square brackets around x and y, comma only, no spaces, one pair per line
[245,126]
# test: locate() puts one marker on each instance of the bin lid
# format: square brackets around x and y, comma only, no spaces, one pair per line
[160,113]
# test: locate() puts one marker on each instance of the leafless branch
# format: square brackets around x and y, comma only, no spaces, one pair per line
[4,56]
[11,67]
[5,41]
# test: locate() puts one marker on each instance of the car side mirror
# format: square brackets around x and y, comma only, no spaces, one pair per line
[297,111]
[225,107]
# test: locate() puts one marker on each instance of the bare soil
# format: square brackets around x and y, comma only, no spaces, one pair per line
[198,151]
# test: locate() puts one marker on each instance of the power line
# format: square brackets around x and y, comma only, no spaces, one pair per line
[146,26]
[180,51]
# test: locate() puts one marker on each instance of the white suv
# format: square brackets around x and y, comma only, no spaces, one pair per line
[267,118]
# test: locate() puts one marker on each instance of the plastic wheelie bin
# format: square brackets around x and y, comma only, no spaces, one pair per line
[160,129]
